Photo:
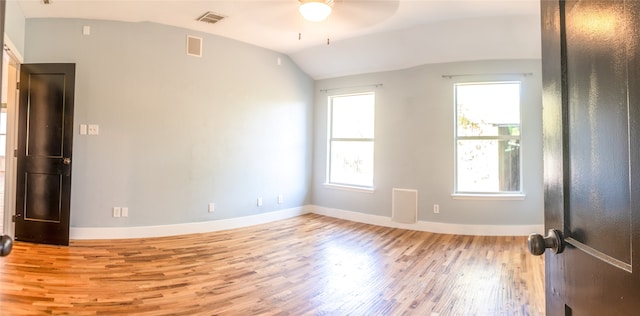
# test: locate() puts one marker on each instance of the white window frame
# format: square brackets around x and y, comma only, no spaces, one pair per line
[330,139]
[507,195]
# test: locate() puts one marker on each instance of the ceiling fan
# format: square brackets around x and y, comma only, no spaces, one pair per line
[346,10]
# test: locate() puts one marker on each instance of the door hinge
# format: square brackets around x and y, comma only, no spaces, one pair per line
[13,218]
[15,153]
[17,85]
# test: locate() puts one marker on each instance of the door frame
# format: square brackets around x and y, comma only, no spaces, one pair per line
[12,138]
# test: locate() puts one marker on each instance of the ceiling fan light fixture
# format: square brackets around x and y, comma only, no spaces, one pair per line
[315,10]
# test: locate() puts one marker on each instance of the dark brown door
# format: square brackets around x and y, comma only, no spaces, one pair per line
[45,134]
[591,100]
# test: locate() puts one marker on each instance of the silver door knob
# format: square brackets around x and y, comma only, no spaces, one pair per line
[538,244]
[66,161]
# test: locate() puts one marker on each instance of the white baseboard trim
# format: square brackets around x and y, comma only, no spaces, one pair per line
[433,227]
[79,233]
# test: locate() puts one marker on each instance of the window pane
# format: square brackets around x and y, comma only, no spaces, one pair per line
[351,163]
[488,166]
[352,116]
[3,146]
[3,121]
[486,109]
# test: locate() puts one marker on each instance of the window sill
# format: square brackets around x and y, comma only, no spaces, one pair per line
[348,188]
[489,196]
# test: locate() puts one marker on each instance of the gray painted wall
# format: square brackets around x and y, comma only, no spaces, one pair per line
[14,25]
[414,146]
[178,132]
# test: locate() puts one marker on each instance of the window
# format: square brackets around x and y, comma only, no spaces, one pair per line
[351,119]
[488,138]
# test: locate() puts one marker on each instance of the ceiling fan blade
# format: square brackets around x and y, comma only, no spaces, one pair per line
[363,13]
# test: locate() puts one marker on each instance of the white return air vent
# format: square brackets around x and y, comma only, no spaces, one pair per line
[194,46]
[404,206]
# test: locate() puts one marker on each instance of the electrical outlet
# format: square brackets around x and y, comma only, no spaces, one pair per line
[436,209]
[212,207]
[117,211]
[124,212]
[259,203]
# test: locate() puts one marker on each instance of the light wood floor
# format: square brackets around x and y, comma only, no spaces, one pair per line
[308,265]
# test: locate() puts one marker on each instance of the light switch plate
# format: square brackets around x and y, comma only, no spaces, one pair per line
[117,211]
[83,129]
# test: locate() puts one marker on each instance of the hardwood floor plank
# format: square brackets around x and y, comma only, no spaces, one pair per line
[308,265]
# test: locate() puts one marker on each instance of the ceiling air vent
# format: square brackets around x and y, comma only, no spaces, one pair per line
[211,17]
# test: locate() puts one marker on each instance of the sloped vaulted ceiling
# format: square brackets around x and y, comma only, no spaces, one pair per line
[364,35]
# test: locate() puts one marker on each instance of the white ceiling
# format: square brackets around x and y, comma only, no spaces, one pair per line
[365,35]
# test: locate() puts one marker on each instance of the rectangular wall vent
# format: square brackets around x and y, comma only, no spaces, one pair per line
[211,17]
[194,46]
[404,206]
